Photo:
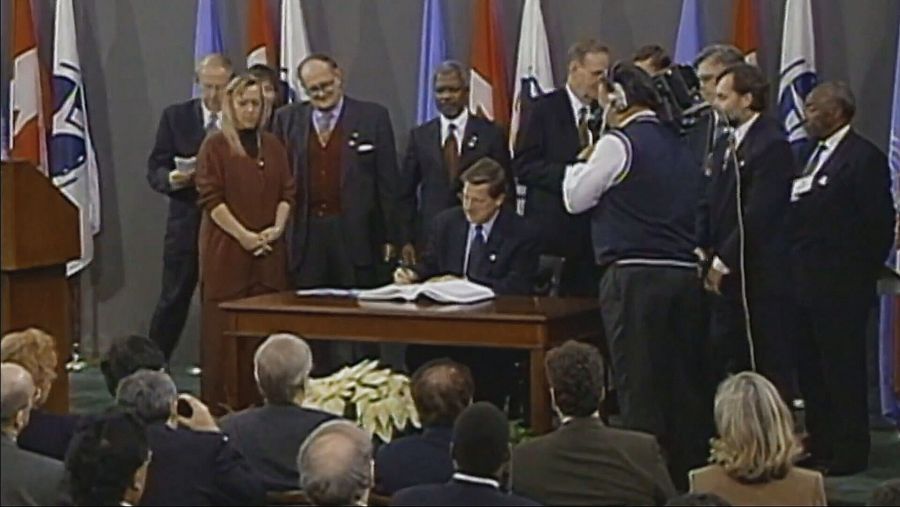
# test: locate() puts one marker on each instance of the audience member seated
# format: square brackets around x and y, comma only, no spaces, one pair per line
[886,494]
[441,390]
[47,433]
[480,449]
[107,461]
[193,462]
[127,355]
[335,465]
[753,457]
[28,478]
[697,500]
[585,462]
[270,436]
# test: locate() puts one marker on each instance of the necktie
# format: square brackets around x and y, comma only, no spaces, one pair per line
[813,160]
[213,123]
[323,127]
[451,155]
[583,137]
[477,263]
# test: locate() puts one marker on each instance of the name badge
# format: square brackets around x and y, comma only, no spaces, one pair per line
[800,187]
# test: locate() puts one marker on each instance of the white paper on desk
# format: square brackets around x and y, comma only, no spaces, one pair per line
[447,291]
[324,291]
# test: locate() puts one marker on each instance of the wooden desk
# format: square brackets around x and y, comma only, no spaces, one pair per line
[533,324]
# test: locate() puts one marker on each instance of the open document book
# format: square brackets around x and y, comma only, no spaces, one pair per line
[447,291]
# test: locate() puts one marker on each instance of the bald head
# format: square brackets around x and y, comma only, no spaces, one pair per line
[16,395]
[335,464]
[828,108]
[213,73]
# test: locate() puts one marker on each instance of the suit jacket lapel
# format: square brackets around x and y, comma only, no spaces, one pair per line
[304,122]
[349,127]
[471,138]
[460,236]
[567,121]
[432,133]
[838,159]
[201,125]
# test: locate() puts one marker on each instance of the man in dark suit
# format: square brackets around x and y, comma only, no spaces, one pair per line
[741,230]
[270,436]
[556,132]
[480,449]
[842,226]
[585,462]
[710,125]
[170,171]
[27,478]
[193,462]
[438,152]
[441,390]
[345,164]
[487,243]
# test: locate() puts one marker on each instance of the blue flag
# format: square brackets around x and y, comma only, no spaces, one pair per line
[890,405]
[798,67]
[689,40]
[432,53]
[208,34]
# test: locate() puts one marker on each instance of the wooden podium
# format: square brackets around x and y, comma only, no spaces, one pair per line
[40,233]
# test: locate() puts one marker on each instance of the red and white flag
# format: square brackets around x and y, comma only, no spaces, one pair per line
[746,29]
[489,94]
[261,45]
[28,127]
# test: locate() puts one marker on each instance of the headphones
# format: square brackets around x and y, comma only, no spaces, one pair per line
[618,99]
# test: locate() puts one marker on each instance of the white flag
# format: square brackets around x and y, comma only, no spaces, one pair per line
[73,161]
[534,74]
[294,46]
[798,67]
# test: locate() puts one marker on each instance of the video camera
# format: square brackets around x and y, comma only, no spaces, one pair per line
[679,88]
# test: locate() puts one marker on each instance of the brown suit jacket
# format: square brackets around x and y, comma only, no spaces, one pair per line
[799,487]
[585,462]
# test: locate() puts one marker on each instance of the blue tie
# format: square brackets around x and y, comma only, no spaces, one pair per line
[477,255]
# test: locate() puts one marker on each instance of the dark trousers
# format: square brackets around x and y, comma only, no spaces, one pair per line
[652,320]
[179,280]
[772,329]
[832,368]
[326,262]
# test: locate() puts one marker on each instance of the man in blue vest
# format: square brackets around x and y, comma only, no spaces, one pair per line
[640,184]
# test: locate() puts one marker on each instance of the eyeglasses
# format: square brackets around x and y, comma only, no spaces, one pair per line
[321,88]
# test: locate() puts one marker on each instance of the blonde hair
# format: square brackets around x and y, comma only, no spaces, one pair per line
[34,350]
[236,87]
[756,440]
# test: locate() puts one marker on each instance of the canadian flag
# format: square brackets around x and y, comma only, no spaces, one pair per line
[746,30]
[261,46]
[489,96]
[27,117]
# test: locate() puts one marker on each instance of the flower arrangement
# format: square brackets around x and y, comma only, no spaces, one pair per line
[378,399]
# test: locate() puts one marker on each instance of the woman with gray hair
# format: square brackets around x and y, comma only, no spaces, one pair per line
[752,460]
[193,462]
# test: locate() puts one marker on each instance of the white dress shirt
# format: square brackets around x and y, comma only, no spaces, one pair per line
[829,146]
[335,113]
[207,114]
[485,230]
[586,182]
[460,123]
[577,105]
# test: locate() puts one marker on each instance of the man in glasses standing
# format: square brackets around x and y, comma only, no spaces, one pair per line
[345,163]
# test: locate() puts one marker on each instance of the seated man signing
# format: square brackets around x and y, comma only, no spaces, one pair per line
[483,240]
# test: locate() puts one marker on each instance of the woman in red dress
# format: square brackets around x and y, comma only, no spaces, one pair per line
[246,191]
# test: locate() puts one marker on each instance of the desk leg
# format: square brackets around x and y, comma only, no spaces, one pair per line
[540,394]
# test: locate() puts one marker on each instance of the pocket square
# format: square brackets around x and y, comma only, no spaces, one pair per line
[364,148]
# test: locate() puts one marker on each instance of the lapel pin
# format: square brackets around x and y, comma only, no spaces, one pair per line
[492,257]
[823,180]
[472,141]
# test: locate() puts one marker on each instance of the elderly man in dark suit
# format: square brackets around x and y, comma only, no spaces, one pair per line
[585,462]
[27,478]
[842,226]
[741,231]
[480,449]
[345,164]
[438,152]
[170,171]
[193,462]
[557,130]
[270,436]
